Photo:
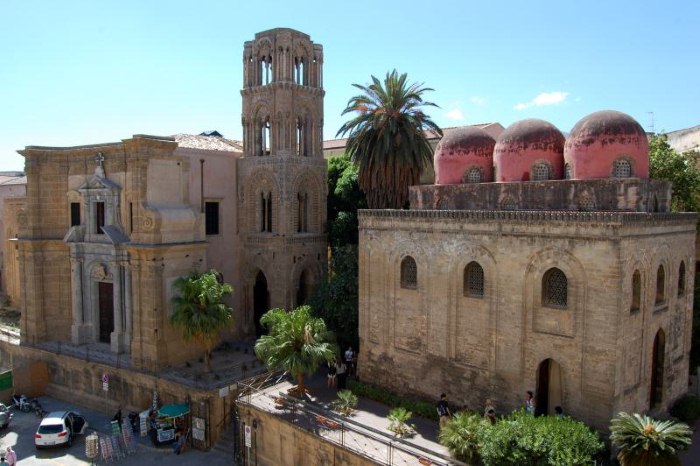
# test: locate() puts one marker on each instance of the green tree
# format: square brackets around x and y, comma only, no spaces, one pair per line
[386,138]
[344,198]
[296,341]
[644,441]
[336,300]
[681,169]
[200,311]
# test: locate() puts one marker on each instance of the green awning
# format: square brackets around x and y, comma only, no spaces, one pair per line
[176,410]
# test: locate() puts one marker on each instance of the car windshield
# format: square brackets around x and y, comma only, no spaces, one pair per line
[50,428]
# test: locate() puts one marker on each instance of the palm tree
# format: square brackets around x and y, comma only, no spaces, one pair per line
[296,341]
[644,441]
[200,311]
[387,138]
[461,436]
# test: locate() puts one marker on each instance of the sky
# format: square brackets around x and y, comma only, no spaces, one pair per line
[76,72]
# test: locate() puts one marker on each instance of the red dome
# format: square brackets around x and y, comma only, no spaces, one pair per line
[529,150]
[607,144]
[464,155]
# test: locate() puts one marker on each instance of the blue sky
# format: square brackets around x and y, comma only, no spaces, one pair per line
[76,72]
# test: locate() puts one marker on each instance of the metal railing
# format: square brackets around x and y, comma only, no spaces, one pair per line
[361,439]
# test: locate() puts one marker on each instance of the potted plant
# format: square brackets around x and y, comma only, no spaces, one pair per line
[643,440]
[398,422]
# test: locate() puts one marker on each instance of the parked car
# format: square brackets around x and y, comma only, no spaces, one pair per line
[59,428]
[5,416]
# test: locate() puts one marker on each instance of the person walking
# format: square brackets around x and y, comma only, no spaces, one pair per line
[530,403]
[443,410]
[10,456]
[332,380]
[349,357]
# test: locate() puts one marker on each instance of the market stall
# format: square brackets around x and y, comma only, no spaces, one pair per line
[172,418]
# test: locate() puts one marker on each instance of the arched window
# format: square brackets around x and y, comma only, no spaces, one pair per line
[586,203]
[622,168]
[409,273]
[554,288]
[266,212]
[660,285]
[473,282]
[541,171]
[301,137]
[473,175]
[265,137]
[681,279]
[567,171]
[299,75]
[265,70]
[636,291]
[302,212]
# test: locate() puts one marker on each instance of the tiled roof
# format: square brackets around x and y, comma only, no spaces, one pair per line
[198,141]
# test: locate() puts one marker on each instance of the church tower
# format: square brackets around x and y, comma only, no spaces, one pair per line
[282,174]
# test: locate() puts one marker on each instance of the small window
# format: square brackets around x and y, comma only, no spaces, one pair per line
[509,204]
[622,168]
[474,175]
[586,203]
[636,291]
[660,285]
[74,214]
[554,288]
[681,279]
[567,171]
[541,172]
[99,217]
[473,283]
[211,218]
[409,273]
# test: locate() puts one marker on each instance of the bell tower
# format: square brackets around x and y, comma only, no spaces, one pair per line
[282,174]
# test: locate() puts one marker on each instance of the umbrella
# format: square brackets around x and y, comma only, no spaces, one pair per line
[174,410]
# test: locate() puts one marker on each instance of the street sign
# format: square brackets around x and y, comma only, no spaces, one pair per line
[105,377]
[248,436]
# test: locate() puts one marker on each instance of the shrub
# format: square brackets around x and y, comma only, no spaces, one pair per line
[461,436]
[686,409]
[398,422]
[346,402]
[525,440]
[419,408]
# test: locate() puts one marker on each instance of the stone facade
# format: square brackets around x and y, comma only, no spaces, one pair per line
[107,228]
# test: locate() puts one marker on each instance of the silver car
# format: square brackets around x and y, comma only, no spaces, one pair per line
[59,428]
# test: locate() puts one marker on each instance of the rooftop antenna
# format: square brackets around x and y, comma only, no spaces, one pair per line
[651,126]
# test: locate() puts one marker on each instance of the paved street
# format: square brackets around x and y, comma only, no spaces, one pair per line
[20,435]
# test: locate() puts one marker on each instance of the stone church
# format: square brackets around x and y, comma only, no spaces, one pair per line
[535,262]
[107,228]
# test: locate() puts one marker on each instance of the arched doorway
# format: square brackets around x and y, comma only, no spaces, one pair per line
[261,301]
[303,289]
[549,387]
[656,391]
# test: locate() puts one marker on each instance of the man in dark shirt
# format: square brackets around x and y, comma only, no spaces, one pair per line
[443,410]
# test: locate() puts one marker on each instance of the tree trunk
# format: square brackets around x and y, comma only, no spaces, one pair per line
[300,385]
[207,360]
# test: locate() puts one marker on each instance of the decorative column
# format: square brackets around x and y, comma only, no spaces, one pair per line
[128,303]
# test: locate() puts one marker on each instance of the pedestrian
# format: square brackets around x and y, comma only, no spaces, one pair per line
[349,357]
[558,412]
[332,380]
[118,417]
[530,403]
[443,410]
[490,411]
[177,446]
[342,373]
[10,456]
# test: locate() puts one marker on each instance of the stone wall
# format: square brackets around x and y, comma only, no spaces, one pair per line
[437,338]
[279,443]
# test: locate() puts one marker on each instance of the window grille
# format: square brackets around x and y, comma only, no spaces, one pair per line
[567,171]
[586,203]
[541,172]
[554,288]
[622,168]
[474,175]
[473,280]
[409,273]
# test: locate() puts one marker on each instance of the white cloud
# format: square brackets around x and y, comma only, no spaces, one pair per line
[455,114]
[478,100]
[545,98]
